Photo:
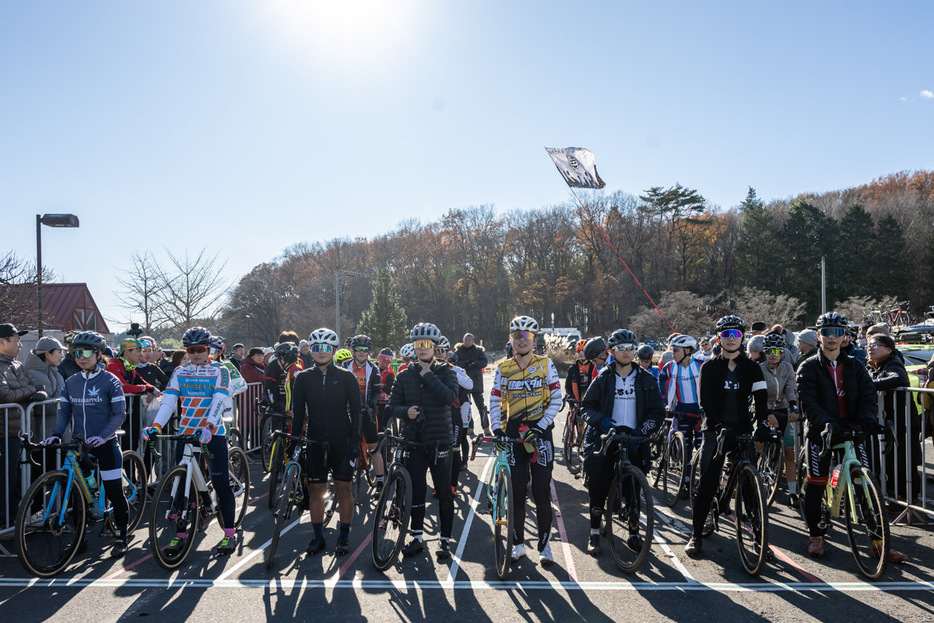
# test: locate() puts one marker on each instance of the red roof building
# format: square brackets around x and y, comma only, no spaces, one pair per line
[65,307]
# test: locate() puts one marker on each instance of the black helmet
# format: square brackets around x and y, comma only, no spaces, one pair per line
[645,352]
[287,351]
[773,340]
[452,357]
[509,348]
[361,340]
[731,322]
[621,336]
[594,348]
[832,319]
[89,339]
[197,336]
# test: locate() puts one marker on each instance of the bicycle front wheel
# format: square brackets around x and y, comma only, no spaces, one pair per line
[503,520]
[696,472]
[49,527]
[175,519]
[867,526]
[285,504]
[391,519]
[771,466]
[277,458]
[751,520]
[239,474]
[630,519]
[572,458]
[676,464]
[266,429]
[134,487]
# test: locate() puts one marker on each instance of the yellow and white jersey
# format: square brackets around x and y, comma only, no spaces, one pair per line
[531,395]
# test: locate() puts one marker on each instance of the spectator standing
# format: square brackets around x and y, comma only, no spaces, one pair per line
[252,367]
[68,366]
[42,364]
[236,355]
[472,358]
[807,346]
[304,353]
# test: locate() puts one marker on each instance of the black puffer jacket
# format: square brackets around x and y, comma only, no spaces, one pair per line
[891,374]
[434,393]
[817,392]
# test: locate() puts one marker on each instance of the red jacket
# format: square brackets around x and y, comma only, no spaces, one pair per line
[131,381]
[251,372]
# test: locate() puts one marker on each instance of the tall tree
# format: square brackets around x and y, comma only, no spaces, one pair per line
[681,211]
[385,320]
[811,236]
[757,247]
[889,271]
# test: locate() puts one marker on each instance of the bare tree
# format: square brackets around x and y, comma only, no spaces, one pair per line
[190,288]
[754,305]
[687,313]
[142,287]
[18,290]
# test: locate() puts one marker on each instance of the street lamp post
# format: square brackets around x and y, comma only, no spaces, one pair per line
[49,220]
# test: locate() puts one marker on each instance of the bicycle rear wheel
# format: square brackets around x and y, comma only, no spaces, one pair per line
[134,487]
[751,520]
[676,463]
[771,467]
[630,519]
[572,458]
[503,520]
[285,504]
[266,429]
[277,458]
[867,526]
[694,482]
[391,519]
[49,528]
[176,514]
[239,474]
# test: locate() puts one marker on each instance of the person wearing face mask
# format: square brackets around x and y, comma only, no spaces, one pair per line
[147,367]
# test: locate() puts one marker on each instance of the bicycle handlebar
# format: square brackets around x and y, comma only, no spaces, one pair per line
[856,435]
[182,438]
[79,444]
[622,437]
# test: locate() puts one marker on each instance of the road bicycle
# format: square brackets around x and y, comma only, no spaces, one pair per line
[771,463]
[363,476]
[852,491]
[739,481]
[186,500]
[629,514]
[273,449]
[58,507]
[573,438]
[394,505]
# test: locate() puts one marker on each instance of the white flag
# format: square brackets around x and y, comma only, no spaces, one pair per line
[577,166]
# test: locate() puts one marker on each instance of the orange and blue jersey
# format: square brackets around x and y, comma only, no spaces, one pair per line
[202,393]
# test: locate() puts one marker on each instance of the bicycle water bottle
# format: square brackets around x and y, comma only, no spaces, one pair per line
[835,477]
[91,482]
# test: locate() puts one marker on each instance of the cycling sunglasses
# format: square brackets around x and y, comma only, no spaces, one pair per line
[522,335]
[83,352]
[424,343]
[832,332]
[195,350]
[734,333]
[322,348]
[777,352]
[361,349]
[625,348]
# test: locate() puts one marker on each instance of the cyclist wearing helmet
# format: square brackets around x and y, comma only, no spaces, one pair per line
[280,375]
[367,375]
[386,378]
[342,356]
[624,396]
[644,356]
[330,398]
[833,389]
[679,384]
[421,401]
[201,389]
[580,374]
[93,404]
[726,383]
[407,353]
[783,405]
[525,399]
[124,367]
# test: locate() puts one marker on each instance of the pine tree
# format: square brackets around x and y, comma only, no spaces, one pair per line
[757,249]
[385,320]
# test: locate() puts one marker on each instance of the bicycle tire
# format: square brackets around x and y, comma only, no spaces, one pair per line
[283,511]
[391,518]
[47,548]
[266,429]
[676,463]
[503,522]
[626,519]
[163,526]
[571,455]
[239,475]
[696,473]
[801,476]
[771,466]
[275,470]
[134,487]
[751,519]
[234,437]
[867,525]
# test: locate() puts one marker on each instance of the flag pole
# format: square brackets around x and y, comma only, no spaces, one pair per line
[619,257]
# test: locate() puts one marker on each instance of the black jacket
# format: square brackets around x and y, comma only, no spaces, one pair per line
[68,366]
[817,393]
[891,374]
[153,375]
[434,393]
[331,401]
[598,404]
[473,360]
[713,397]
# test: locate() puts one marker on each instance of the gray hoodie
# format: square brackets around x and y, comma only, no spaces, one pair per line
[48,378]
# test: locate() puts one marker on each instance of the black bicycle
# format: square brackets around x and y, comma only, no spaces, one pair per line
[394,507]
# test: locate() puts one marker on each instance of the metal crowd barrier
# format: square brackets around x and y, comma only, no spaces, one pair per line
[248,416]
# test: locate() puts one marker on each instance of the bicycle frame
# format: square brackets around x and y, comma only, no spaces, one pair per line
[194,475]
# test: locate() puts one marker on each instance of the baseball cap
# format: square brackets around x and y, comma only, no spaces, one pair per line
[8,330]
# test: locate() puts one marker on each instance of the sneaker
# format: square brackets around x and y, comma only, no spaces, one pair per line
[227,546]
[414,547]
[343,546]
[894,556]
[546,557]
[119,548]
[316,545]
[175,546]
[593,545]
[694,546]
[518,551]
[444,550]
[816,546]
[635,542]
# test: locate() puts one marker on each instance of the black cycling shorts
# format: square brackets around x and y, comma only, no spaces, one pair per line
[337,462]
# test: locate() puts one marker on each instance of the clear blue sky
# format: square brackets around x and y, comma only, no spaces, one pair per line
[248,126]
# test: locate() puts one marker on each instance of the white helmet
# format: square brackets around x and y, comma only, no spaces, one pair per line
[324,336]
[444,343]
[425,331]
[408,351]
[523,323]
[683,341]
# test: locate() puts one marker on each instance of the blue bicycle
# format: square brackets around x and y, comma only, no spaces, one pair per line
[58,507]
